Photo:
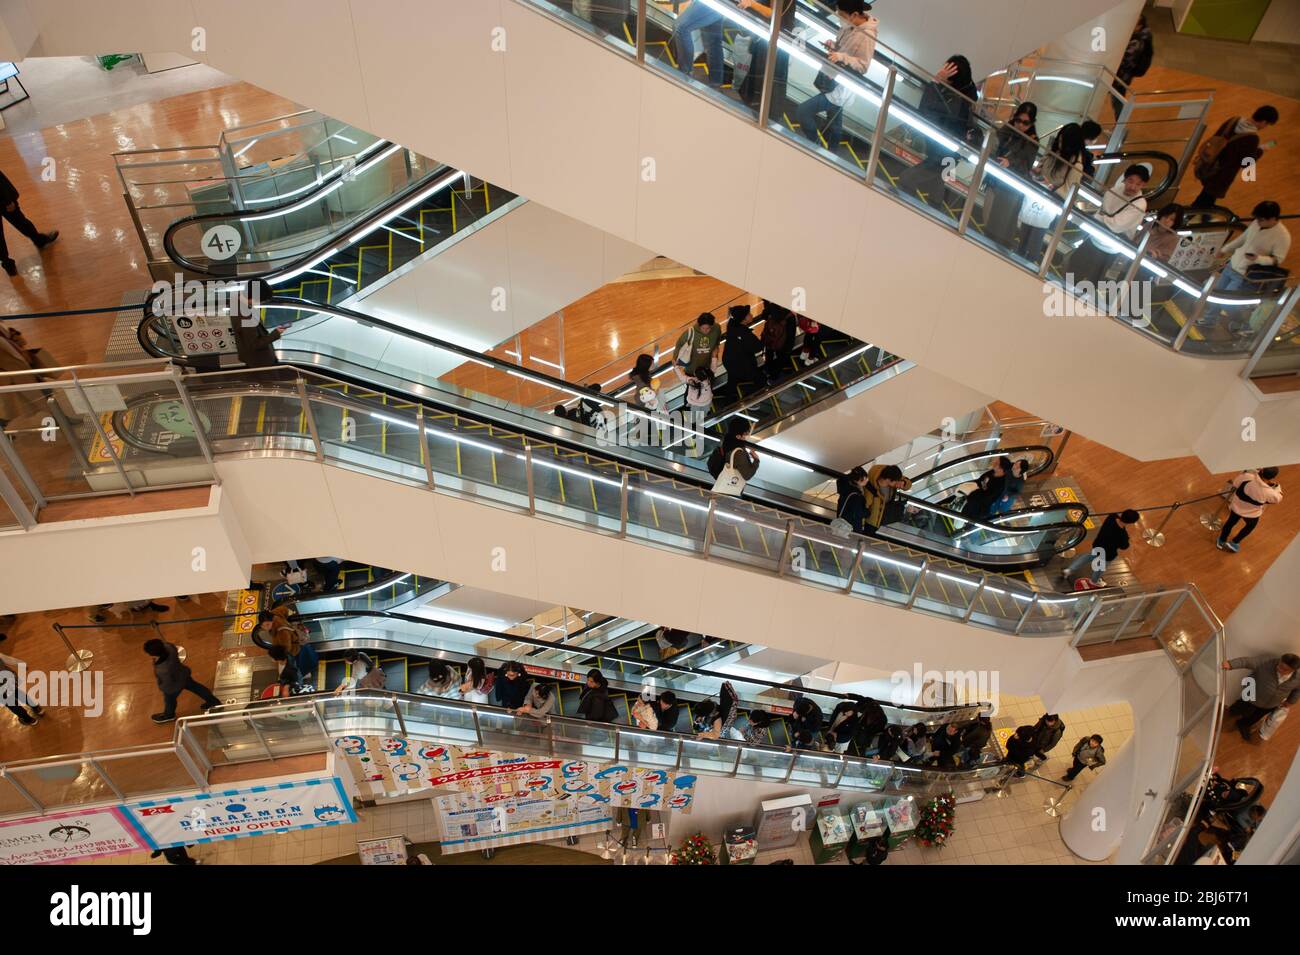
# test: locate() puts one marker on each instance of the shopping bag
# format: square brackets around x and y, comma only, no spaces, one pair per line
[1272,722]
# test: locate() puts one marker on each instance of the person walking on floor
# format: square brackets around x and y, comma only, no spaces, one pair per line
[1251,492]
[1089,753]
[1274,682]
[1220,159]
[18,704]
[1137,60]
[1021,746]
[1047,733]
[1110,540]
[172,677]
[11,211]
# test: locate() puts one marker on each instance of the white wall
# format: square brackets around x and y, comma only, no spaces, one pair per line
[1246,424]
[1281,24]
[494,283]
[85,562]
[878,419]
[1268,619]
[991,33]
[567,122]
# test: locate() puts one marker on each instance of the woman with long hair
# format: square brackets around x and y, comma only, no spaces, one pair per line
[1016,150]
[1060,169]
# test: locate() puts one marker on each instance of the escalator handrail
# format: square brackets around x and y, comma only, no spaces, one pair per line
[615,657]
[279,270]
[860,81]
[310,702]
[351,402]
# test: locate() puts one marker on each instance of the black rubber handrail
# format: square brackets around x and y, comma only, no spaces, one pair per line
[227,269]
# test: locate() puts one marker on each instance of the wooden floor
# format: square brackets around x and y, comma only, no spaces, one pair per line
[98,256]
[1112,481]
[1278,172]
[131,694]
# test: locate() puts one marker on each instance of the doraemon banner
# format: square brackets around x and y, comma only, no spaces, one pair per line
[235,813]
[393,766]
[470,821]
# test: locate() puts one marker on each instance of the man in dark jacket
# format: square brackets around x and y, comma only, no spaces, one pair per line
[1242,137]
[1021,747]
[172,677]
[668,710]
[1110,540]
[740,351]
[974,738]
[1088,754]
[1136,62]
[947,744]
[10,210]
[1048,732]
[1273,682]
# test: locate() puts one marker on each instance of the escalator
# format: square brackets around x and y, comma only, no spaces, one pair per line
[403,646]
[363,587]
[479,439]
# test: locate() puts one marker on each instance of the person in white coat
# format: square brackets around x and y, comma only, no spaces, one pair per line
[1252,491]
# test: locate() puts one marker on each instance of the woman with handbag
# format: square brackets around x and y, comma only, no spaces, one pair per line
[1060,169]
[851,511]
[853,48]
[1016,150]
[735,463]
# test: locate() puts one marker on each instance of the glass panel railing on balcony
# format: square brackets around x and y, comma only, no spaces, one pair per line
[924,142]
[277,411]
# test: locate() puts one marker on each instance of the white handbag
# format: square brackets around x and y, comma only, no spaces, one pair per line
[1037,213]
[730,481]
[1272,722]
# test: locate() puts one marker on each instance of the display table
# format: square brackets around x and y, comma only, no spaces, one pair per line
[901,819]
[868,825]
[830,836]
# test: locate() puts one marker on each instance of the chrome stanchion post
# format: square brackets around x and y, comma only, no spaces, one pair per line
[1155,537]
[103,435]
[708,524]
[783,562]
[424,447]
[1213,520]
[990,137]
[200,435]
[78,660]
[1131,272]
[882,117]
[640,30]
[622,505]
[528,476]
[1197,312]
[1066,206]
[769,77]
[311,420]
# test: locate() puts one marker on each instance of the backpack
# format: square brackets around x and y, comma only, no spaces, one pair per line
[1206,163]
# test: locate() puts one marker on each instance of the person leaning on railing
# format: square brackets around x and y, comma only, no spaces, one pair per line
[1274,683]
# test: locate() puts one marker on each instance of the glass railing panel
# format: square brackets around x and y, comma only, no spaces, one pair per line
[659,513]
[613,21]
[817,555]
[13,802]
[71,782]
[1278,367]
[1232,322]
[453,724]
[745,535]
[292,731]
[647,749]
[823,106]
[145,774]
[865,776]
[817,770]
[766,764]
[945,593]
[710,756]
[886,573]
[589,741]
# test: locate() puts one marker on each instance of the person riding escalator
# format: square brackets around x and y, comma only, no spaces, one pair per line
[946,103]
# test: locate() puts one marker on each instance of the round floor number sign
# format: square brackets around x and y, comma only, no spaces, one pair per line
[221,242]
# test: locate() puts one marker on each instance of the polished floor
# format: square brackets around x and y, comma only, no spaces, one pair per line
[98,258]
[1274,67]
